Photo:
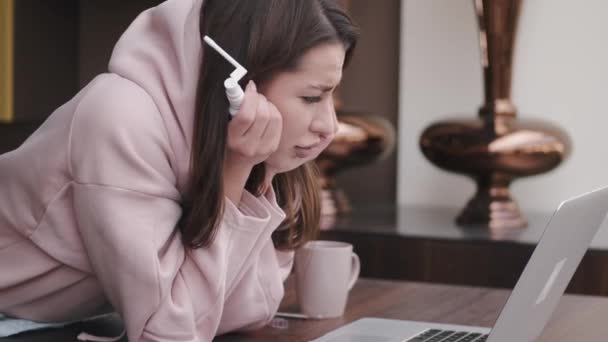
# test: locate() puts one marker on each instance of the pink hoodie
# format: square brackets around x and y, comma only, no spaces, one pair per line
[90,201]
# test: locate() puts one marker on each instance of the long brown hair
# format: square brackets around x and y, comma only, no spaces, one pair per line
[267,37]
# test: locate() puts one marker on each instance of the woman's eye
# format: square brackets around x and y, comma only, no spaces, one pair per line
[311,99]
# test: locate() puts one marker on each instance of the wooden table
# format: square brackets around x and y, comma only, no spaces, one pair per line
[577,318]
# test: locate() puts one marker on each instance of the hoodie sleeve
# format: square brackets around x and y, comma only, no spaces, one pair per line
[262,283]
[261,280]
[127,206]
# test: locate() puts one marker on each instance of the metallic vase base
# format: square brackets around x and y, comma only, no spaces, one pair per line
[493,212]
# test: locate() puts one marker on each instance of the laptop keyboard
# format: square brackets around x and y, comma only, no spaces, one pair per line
[436,335]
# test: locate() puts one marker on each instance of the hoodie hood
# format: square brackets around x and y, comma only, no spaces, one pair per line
[161,52]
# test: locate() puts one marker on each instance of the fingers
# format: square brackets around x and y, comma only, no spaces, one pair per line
[245,117]
[274,127]
[255,131]
[257,128]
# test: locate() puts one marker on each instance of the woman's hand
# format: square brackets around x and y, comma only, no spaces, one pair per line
[255,131]
[254,134]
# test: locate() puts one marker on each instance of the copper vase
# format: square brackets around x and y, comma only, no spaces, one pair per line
[496,147]
[361,139]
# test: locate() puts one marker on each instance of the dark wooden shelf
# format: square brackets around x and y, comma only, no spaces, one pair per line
[59,46]
[45,56]
[424,244]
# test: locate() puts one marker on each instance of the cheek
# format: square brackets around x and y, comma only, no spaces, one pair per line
[325,145]
[294,121]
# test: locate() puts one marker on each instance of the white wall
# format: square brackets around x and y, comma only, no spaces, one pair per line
[560,75]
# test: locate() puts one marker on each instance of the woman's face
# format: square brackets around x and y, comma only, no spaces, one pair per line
[304,98]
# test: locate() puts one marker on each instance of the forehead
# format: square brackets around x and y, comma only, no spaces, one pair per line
[322,63]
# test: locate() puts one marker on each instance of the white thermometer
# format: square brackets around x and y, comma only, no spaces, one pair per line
[234,92]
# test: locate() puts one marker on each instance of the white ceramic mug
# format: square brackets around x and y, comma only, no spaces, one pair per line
[325,272]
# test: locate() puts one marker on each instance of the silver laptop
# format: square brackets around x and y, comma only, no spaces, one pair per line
[534,298]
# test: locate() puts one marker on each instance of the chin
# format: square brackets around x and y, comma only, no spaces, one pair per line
[286,164]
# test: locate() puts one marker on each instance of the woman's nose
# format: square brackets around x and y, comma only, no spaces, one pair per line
[325,123]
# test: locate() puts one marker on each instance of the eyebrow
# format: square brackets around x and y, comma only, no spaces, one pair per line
[323,88]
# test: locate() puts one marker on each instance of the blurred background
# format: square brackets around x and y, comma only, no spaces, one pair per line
[60,45]
[417,62]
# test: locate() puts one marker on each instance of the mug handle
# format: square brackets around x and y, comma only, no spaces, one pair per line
[355,269]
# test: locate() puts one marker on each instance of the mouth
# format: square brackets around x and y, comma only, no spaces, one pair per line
[307,151]
[309,147]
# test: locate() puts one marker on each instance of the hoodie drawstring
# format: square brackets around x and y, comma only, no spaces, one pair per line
[83,336]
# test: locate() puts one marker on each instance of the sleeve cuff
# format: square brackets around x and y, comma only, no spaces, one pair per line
[269,200]
[254,213]
[250,217]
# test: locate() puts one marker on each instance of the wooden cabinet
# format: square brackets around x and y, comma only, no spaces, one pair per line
[48,51]
[51,49]
[423,244]
[6,59]
[40,57]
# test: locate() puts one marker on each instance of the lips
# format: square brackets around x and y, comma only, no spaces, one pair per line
[309,147]
[312,150]
[307,151]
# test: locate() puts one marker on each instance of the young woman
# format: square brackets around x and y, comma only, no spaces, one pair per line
[142,193]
